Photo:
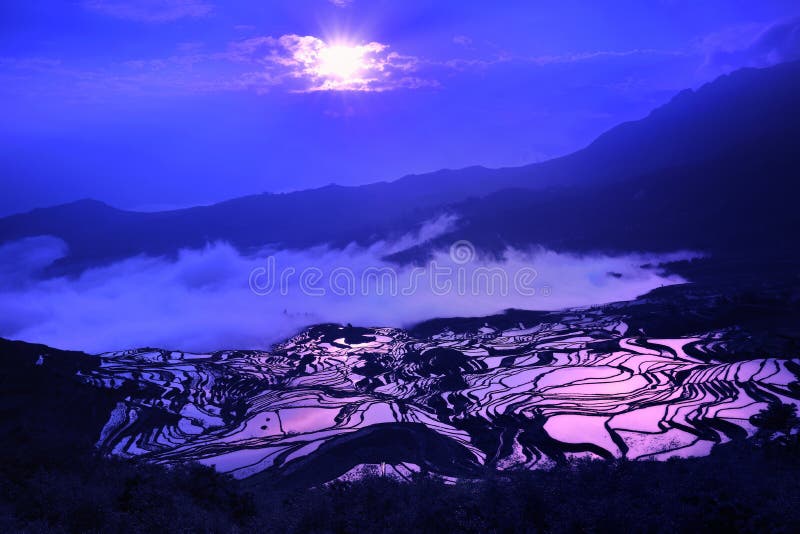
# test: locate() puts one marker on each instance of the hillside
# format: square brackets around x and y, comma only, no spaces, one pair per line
[712,169]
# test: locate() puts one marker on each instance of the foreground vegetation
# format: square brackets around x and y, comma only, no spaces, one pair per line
[51,480]
[746,487]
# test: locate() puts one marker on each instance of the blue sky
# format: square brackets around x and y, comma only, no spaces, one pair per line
[163,103]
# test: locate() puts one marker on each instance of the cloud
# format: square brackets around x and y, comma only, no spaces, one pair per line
[307,64]
[153,11]
[753,45]
[462,40]
[209,299]
[482,63]
[341,3]
[290,62]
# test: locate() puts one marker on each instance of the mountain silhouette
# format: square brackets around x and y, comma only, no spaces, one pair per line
[714,169]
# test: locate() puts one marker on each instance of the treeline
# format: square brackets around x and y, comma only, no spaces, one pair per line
[741,487]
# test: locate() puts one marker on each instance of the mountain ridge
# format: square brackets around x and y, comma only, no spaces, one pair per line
[747,110]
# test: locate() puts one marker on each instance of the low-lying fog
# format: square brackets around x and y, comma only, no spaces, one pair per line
[217,298]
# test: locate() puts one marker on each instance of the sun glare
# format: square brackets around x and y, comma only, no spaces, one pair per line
[341,61]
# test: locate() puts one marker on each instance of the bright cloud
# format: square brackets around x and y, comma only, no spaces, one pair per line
[333,66]
[262,64]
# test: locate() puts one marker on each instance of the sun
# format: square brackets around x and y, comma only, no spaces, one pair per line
[341,61]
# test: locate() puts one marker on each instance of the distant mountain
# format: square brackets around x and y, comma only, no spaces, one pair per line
[736,204]
[714,169]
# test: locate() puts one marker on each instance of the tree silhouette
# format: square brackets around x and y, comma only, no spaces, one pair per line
[776,421]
